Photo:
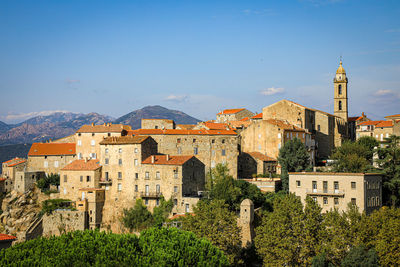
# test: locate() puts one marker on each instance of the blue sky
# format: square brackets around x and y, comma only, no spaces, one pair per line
[200,57]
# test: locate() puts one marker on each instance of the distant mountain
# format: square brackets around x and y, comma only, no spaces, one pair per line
[53,126]
[4,127]
[155,112]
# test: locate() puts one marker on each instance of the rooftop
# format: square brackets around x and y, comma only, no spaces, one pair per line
[104,128]
[369,123]
[258,116]
[181,132]
[385,124]
[284,125]
[166,120]
[52,149]
[186,126]
[4,237]
[334,173]
[166,160]
[14,162]
[82,165]
[230,111]
[261,156]
[123,140]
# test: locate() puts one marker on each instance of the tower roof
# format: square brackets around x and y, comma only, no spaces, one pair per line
[340,70]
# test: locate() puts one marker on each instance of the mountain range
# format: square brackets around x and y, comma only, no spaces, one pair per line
[61,124]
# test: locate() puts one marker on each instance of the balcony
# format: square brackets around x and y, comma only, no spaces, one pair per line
[323,192]
[106,181]
[153,194]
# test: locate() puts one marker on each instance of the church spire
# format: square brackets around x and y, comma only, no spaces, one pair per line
[340,92]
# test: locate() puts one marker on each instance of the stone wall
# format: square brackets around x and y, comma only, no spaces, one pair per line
[70,182]
[157,124]
[25,181]
[54,163]
[63,221]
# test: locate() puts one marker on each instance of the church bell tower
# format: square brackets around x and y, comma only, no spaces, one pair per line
[340,95]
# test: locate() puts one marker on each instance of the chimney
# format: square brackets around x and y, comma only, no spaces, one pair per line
[104,124]
[167,157]
[362,114]
[152,159]
[92,123]
[86,159]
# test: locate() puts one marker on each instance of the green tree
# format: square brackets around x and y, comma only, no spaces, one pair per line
[214,221]
[351,157]
[321,261]
[369,143]
[389,162]
[50,205]
[360,257]
[138,217]
[45,182]
[293,157]
[161,212]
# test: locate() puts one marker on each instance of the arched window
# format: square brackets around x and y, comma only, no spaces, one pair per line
[340,105]
[340,89]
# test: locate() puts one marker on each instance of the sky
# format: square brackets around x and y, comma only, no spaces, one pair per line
[200,57]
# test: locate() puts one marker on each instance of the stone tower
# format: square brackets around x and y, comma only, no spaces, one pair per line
[340,95]
[246,222]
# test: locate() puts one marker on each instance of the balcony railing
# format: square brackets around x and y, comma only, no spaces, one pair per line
[323,192]
[153,194]
[106,181]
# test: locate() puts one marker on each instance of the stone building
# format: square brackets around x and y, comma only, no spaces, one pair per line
[26,180]
[353,123]
[378,129]
[245,222]
[50,157]
[235,114]
[9,169]
[2,185]
[81,173]
[91,202]
[267,136]
[88,138]
[209,146]
[212,126]
[158,124]
[336,190]
[256,163]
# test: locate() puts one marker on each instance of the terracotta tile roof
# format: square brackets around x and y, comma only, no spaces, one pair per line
[14,162]
[284,125]
[4,237]
[166,120]
[2,179]
[52,149]
[104,128]
[216,126]
[231,111]
[123,140]
[82,165]
[393,116]
[385,124]
[245,119]
[181,132]
[353,118]
[261,156]
[186,126]
[239,124]
[369,123]
[258,116]
[162,160]
[91,189]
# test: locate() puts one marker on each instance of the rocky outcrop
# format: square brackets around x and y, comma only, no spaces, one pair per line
[20,211]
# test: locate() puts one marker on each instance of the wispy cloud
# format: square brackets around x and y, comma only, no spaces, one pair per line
[177,98]
[272,91]
[12,117]
[387,94]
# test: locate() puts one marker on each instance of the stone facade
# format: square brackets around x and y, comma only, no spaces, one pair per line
[92,202]
[266,184]
[256,163]
[233,115]
[336,190]
[88,138]
[67,139]
[246,222]
[63,221]
[209,146]
[158,124]
[25,180]
[9,169]
[378,129]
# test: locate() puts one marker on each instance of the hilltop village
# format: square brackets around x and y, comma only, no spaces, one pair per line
[104,168]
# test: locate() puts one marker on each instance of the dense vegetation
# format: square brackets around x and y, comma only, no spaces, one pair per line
[154,247]
[50,205]
[45,182]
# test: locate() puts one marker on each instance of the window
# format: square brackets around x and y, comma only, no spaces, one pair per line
[79,155]
[340,105]
[157,188]
[175,174]
[65,178]
[336,186]
[81,178]
[93,155]
[79,134]
[196,151]
[279,135]
[120,175]
[175,202]
[175,189]
[88,178]
[315,199]
[136,162]
[279,146]
[158,175]
[157,202]
[353,201]
[136,188]
[223,152]
[79,142]
[46,164]
[120,150]
[106,173]
[213,141]
[120,162]
[56,164]
[340,89]
[146,201]
[106,150]
[298,183]
[212,164]
[186,207]
[136,150]
[92,142]
[136,176]
[147,175]
[92,134]
[179,150]
[194,140]
[325,186]
[353,185]
[314,186]
[119,187]
[106,161]
[223,141]
[178,140]
[146,190]
[319,127]
[325,201]
[336,201]
[108,134]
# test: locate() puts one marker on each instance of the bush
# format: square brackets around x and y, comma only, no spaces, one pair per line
[50,205]
[154,247]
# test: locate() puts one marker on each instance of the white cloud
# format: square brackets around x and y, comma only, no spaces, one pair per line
[272,91]
[386,93]
[24,116]
[177,98]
